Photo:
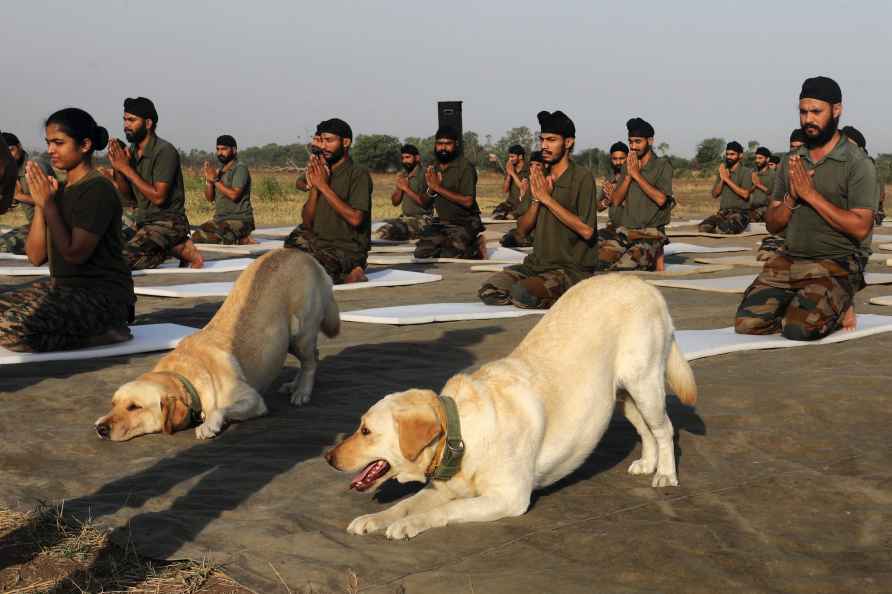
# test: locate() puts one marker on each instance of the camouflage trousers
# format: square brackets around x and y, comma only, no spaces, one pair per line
[45,317]
[154,241]
[506,211]
[404,228]
[620,248]
[442,240]
[511,239]
[769,247]
[336,262]
[800,298]
[522,287]
[128,223]
[226,231]
[726,222]
[757,214]
[13,241]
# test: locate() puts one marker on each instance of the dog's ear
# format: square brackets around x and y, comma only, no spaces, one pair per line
[417,427]
[174,413]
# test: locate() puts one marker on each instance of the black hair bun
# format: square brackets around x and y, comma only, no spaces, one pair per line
[100,138]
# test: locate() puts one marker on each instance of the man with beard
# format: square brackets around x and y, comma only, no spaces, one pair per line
[513,239]
[314,148]
[857,137]
[644,192]
[775,241]
[229,189]
[733,187]
[410,194]
[619,151]
[149,171]
[452,183]
[763,185]
[336,219]
[563,210]
[825,197]
[13,241]
[515,174]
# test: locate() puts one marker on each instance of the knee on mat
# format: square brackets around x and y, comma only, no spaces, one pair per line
[525,294]
[752,325]
[803,332]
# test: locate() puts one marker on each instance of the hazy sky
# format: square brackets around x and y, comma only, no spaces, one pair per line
[268,71]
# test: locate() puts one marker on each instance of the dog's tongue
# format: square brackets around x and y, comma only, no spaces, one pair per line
[369,475]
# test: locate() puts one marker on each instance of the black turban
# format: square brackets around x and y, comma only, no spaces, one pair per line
[619,146]
[516,149]
[822,89]
[446,132]
[734,146]
[853,134]
[639,128]
[764,152]
[10,138]
[335,126]
[226,140]
[797,135]
[537,157]
[141,107]
[409,149]
[556,123]
[774,159]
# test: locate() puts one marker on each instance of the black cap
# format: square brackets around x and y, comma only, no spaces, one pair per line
[409,149]
[335,126]
[822,89]
[764,152]
[556,123]
[141,107]
[734,146]
[639,128]
[619,146]
[226,140]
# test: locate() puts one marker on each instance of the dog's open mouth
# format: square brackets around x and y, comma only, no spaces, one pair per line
[369,475]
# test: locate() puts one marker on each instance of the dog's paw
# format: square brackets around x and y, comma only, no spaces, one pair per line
[664,480]
[300,397]
[408,527]
[642,466]
[205,431]
[367,524]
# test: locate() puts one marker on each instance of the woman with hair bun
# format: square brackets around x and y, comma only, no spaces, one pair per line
[88,299]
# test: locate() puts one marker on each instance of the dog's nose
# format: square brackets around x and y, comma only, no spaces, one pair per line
[103,430]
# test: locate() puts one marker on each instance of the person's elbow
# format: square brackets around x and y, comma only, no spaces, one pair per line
[356,218]
[587,233]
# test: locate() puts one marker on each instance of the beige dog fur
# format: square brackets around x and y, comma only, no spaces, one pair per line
[278,305]
[529,419]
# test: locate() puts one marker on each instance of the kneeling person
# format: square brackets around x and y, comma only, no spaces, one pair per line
[336,219]
[733,188]
[513,239]
[563,211]
[645,196]
[763,185]
[14,241]
[411,195]
[824,197]
[229,188]
[515,184]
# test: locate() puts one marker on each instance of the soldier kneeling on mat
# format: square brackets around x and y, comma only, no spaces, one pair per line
[733,187]
[229,189]
[512,238]
[411,196]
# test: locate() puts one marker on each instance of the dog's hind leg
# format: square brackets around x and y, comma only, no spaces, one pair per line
[647,463]
[649,395]
[246,404]
[303,346]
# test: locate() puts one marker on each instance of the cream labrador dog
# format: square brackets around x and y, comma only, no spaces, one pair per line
[530,419]
[278,305]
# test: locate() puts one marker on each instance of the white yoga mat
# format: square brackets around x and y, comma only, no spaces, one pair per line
[210,266]
[696,344]
[671,269]
[884,300]
[695,233]
[428,313]
[392,248]
[146,339]
[9,256]
[260,247]
[498,255]
[748,261]
[378,278]
[739,284]
[686,223]
[886,246]
[278,232]
[690,248]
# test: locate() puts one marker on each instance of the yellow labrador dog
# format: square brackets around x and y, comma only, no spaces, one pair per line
[529,419]
[278,305]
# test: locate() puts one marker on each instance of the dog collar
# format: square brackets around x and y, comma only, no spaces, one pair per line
[454,446]
[194,401]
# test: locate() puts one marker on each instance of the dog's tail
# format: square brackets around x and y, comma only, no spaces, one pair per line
[331,319]
[680,375]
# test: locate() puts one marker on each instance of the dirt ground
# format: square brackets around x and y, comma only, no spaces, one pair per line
[786,484]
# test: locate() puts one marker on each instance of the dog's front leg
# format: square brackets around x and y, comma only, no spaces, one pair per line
[424,500]
[485,508]
[246,404]
[301,387]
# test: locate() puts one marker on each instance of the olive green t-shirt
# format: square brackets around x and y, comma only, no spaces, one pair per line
[418,185]
[514,189]
[556,246]
[728,199]
[160,162]
[460,177]
[353,185]
[614,213]
[93,205]
[23,182]
[236,177]
[847,179]
[642,212]
[759,198]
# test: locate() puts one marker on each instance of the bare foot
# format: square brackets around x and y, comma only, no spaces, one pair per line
[189,255]
[357,275]
[481,244]
[661,263]
[247,241]
[849,321]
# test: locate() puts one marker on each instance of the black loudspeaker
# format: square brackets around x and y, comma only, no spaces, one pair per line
[449,114]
